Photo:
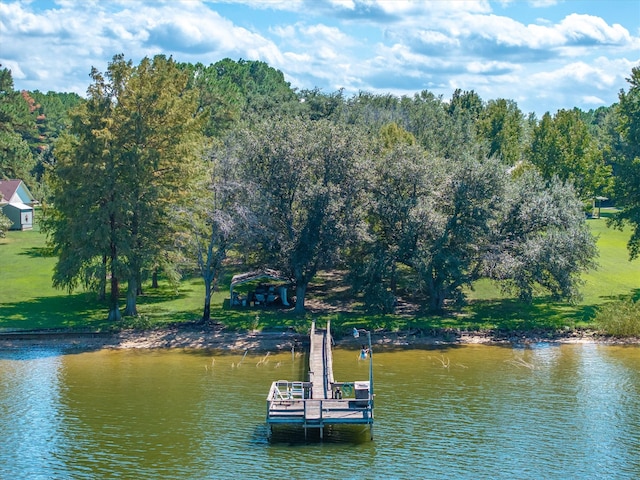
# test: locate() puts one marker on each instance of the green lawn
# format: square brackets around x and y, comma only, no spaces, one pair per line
[615,278]
[28,300]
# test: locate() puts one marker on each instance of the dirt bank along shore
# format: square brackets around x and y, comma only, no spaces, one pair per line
[216,339]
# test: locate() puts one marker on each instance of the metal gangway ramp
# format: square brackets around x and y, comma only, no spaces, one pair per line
[321,401]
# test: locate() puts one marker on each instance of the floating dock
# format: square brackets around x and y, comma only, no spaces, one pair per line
[321,401]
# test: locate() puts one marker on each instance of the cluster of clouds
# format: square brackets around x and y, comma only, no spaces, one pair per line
[379,46]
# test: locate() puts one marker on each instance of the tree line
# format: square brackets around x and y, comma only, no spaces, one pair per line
[171,168]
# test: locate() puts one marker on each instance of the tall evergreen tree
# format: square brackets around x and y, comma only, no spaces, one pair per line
[16,122]
[501,125]
[627,180]
[133,153]
[562,146]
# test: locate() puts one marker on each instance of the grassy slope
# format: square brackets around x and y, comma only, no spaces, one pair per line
[616,277]
[28,300]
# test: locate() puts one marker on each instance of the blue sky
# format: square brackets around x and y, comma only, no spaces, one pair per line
[544,54]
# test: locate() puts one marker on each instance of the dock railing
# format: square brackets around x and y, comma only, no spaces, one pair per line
[321,401]
[311,412]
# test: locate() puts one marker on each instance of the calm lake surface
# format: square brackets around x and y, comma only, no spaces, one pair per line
[541,412]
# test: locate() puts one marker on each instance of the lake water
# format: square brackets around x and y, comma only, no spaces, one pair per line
[542,412]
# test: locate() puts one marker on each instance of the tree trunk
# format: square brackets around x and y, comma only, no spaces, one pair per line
[301,290]
[114,315]
[206,314]
[436,294]
[114,310]
[132,295]
[394,281]
[437,298]
[154,278]
[139,282]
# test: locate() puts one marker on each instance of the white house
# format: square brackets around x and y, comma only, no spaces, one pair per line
[16,203]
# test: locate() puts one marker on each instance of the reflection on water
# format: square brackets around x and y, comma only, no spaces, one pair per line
[550,411]
[29,405]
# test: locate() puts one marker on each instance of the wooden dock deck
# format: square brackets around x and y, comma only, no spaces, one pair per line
[321,401]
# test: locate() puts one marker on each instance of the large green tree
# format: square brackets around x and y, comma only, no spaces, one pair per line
[399,194]
[160,141]
[541,242]
[627,180]
[460,214]
[447,223]
[133,152]
[220,217]
[307,175]
[84,226]
[562,146]
[501,126]
[440,129]
[231,90]
[16,158]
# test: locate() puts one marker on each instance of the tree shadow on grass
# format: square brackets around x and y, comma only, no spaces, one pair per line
[38,252]
[75,311]
[82,311]
[632,295]
[542,314]
[160,295]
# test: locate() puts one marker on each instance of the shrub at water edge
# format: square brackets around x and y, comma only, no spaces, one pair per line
[620,318]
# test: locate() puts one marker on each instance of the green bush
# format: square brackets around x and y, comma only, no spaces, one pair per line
[620,318]
[139,322]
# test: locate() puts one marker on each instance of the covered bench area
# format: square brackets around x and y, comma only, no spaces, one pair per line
[264,294]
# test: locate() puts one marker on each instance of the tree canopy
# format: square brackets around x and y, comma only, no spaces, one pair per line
[170,167]
[563,147]
[133,151]
[307,177]
[627,180]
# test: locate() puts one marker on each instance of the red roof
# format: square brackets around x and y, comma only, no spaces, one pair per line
[9,188]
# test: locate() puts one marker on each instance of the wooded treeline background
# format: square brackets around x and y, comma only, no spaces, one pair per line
[170,169]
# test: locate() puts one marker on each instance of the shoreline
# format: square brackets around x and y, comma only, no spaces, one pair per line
[208,338]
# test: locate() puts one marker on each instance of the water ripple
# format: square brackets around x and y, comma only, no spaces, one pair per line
[550,412]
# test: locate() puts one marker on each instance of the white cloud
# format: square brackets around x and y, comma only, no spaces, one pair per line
[437,39]
[284,31]
[397,46]
[326,34]
[543,3]
[593,100]
[577,73]
[491,67]
[348,4]
[289,5]
[592,30]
